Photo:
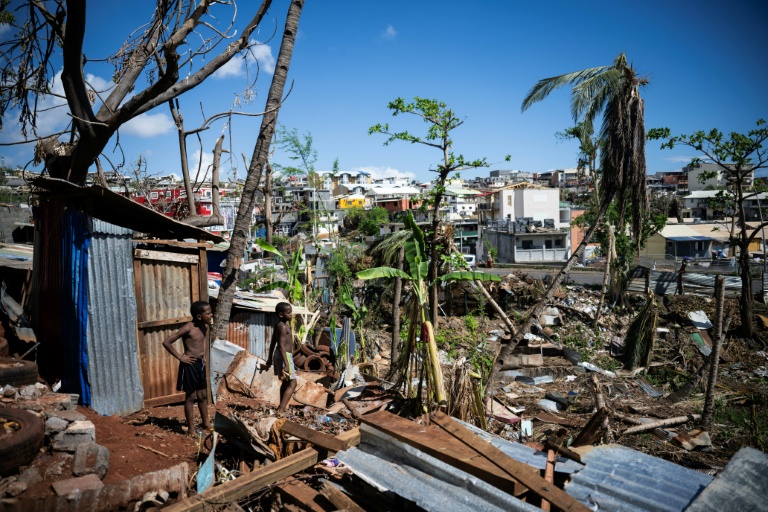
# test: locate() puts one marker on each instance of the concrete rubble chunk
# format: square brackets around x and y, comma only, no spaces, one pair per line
[75,485]
[16,488]
[31,476]
[77,433]
[52,401]
[30,391]
[66,415]
[9,391]
[54,425]
[90,459]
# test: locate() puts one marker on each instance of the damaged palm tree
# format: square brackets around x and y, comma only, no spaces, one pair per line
[638,345]
[613,90]
[426,347]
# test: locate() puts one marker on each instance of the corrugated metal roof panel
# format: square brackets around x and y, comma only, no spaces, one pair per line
[743,485]
[523,453]
[113,356]
[616,478]
[396,468]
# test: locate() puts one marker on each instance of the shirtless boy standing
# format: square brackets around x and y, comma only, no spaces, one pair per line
[280,351]
[192,379]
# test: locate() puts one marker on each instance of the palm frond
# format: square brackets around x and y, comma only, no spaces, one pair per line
[544,87]
[386,249]
[638,344]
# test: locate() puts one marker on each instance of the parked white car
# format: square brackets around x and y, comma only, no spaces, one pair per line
[470,259]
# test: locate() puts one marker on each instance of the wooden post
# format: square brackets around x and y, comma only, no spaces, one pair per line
[709,398]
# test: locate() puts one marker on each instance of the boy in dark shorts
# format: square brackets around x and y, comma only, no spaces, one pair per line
[280,351]
[192,379]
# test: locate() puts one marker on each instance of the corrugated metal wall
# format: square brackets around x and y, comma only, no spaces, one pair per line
[113,357]
[252,331]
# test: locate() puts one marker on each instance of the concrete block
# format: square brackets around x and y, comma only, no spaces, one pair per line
[66,415]
[55,425]
[31,476]
[54,401]
[75,485]
[90,459]
[9,391]
[30,391]
[77,433]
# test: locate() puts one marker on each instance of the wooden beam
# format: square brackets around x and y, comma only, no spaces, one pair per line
[433,441]
[247,484]
[319,439]
[165,256]
[351,437]
[164,400]
[300,494]
[172,243]
[517,470]
[164,322]
[339,500]
[590,434]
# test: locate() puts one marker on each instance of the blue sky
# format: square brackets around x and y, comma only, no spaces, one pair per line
[705,61]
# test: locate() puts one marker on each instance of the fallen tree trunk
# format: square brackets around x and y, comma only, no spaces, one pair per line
[645,427]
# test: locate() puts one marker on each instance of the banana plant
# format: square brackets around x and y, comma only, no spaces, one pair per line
[418,265]
[292,283]
[358,315]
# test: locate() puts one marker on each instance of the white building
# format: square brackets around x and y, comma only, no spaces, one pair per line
[717,181]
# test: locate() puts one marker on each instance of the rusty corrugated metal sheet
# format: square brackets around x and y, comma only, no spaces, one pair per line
[113,359]
[166,293]
[252,331]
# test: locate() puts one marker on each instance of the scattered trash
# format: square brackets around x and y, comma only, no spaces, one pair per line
[593,368]
[700,320]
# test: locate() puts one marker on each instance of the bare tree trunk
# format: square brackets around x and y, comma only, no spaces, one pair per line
[217,218]
[709,398]
[395,350]
[100,171]
[268,203]
[258,163]
[507,350]
[606,275]
[747,297]
[179,121]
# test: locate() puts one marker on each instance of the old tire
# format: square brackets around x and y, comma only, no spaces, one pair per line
[314,364]
[21,447]
[17,372]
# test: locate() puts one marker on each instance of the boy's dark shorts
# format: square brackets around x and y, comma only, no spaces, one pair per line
[191,377]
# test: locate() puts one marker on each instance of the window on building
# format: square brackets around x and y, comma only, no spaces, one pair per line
[509,200]
[559,243]
[699,246]
[153,195]
[527,244]
[548,244]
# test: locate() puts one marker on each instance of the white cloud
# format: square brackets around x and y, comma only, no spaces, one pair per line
[148,125]
[4,29]
[389,32]
[683,159]
[207,161]
[385,172]
[259,52]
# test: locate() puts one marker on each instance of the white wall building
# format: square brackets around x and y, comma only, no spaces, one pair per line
[718,181]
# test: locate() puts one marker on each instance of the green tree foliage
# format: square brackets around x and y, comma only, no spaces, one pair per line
[738,155]
[441,122]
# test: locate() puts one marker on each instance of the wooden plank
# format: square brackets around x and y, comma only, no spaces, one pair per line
[203,269]
[165,322]
[436,442]
[144,254]
[247,484]
[164,400]
[591,431]
[339,500]
[172,243]
[517,470]
[547,417]
[350,437]
[319,439]
[300,494]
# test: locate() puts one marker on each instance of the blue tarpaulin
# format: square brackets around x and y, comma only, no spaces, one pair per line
[76,238]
